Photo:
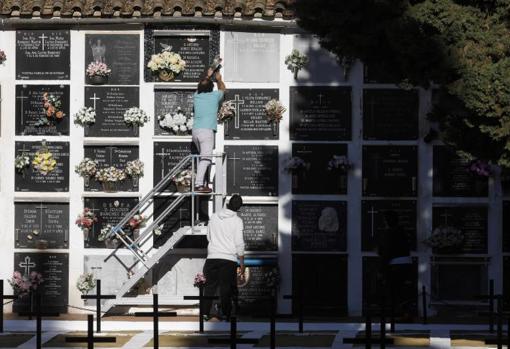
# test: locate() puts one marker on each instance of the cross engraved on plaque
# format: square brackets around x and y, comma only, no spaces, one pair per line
[21,104]
[27,265]
[162,154]
[372,213]
[41,207]
[42,37]
[237,102]
[94,99]
[445,216]
[235,158]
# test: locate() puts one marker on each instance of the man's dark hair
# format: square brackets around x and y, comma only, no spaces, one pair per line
[391,218]
[205,85]
[235,202]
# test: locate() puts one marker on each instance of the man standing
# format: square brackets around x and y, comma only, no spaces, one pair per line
[206,103]
[226,246]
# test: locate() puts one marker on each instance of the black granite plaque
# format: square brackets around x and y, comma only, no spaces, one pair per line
[117,156]
[169,101]
[452,178]
[30,112]
[319,225]
[193,49]
[180,217]
[252,170]
[108,210]
[41,225]
[110,104]
[121,52]
[54,268]
[375,74]
[43,54]
[317,177]
[373,223]
[373,288]
[472,221]
[320,113]
[506,226]
[254,290]
[390,170]
[250,121]
[31,179]
[322,279]
[166,156]
[459,280]
[390,114]
[260,227]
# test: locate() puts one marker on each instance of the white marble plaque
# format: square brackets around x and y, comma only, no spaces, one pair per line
[322,65]
[252,57]
[112,274]
[176,275]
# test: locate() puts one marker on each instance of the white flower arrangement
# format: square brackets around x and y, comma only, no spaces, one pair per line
[103,235]
[86,283]
[98,69]
[21,162]
[85,116]
[339,162]
[135,117]
[274,110]
[134,168]
[445,236]
[226,112]
[167,60]
[178,122]
[110,174]
[183,178]
[295,62]
[295,164]
[86,168]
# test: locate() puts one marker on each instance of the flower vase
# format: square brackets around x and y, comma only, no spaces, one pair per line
[98,79]
[182,188]
[85,234]
[295,179]
[86,181]
[135,180]
[296,71]
[165,75]
[275,128]
[136,234]
[111,243]
[109,187]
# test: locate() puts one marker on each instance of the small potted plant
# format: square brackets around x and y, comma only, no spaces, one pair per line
[109,177]
[86,283]
[445,240]
[177,123]
[183,181]
[85,116]
[85,221]
[167,65]
[98,73]
[134,169]
[86,169]
[135,117]
[295,62]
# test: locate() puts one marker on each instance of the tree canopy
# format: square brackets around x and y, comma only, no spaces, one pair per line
[460,46]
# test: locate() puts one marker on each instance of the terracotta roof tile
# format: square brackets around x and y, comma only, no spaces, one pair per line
[127,8]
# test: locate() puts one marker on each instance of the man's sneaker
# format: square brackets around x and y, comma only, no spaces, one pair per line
[207,317]
[203,189]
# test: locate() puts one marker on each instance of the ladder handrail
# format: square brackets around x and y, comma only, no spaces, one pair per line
[133,245]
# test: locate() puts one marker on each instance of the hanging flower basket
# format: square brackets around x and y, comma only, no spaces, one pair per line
[98,79]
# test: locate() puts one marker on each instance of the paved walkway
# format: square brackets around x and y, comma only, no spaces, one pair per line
[183,334]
